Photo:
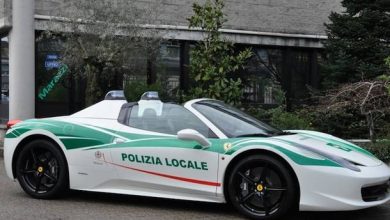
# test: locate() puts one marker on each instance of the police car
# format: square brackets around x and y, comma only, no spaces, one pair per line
[204,150]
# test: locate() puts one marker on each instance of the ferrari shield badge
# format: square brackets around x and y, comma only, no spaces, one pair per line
[227,146]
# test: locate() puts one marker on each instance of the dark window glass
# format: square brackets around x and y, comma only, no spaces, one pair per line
[172,119]
[273,74]
[4,79]
[168,71]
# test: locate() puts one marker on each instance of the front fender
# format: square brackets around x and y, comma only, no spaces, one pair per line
[229,158]
[12,146]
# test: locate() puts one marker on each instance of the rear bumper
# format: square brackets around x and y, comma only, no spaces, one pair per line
[340,189]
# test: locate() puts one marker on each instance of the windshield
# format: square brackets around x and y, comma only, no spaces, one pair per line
[233,122]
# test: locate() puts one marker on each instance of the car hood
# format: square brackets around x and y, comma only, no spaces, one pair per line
[329,145]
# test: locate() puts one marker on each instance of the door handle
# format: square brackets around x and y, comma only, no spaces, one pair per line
[118,141]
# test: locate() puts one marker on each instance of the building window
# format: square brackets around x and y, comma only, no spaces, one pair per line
[169,66]
[260,76]
[4,81]
[52,94]
[275,75]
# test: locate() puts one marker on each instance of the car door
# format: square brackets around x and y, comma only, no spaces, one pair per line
[153,161]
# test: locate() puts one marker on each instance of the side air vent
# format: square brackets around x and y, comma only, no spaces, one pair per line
[375,193]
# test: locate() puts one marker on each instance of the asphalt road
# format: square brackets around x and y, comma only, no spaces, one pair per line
[15,204]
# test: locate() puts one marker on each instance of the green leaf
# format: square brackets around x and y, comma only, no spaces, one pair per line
[214,60]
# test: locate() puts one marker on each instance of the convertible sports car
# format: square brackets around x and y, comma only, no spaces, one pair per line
[204,150]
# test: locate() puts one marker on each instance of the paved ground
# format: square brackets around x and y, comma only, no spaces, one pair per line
[15,204]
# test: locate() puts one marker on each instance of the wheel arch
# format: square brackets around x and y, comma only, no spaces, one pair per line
[249,152]
[30,138]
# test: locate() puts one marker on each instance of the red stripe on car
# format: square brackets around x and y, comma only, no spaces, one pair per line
[196,181]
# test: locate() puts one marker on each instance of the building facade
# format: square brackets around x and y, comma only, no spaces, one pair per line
[286,37]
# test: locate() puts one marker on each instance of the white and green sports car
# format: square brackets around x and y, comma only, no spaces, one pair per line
[204,150]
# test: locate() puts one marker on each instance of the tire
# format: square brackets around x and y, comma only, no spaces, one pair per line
[261,187]
[41,170]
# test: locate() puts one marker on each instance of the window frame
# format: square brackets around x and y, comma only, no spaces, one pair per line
[222,130]
[125,112]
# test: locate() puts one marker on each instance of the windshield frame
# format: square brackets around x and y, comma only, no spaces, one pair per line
[248,119]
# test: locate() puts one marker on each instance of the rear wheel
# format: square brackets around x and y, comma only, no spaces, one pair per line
[41,170]
[261,187]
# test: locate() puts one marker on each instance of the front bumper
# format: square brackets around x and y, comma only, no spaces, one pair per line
[340,189]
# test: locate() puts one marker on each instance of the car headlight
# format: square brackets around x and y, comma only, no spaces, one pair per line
[339,160]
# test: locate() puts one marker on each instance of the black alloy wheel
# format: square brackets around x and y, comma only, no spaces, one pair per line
[41,170]
[261,187]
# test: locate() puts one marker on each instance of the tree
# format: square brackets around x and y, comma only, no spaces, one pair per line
[387,76]
[358,41]
[369,98]
[214,61]
[102,39]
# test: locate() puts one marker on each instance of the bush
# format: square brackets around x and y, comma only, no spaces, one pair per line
[282,119]
[289,120]
[347,124]
[260,113]
[381,149]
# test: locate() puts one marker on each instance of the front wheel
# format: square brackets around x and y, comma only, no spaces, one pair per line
[261,187]
[41,170]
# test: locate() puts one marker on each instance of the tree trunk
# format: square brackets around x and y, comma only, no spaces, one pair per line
[371,127]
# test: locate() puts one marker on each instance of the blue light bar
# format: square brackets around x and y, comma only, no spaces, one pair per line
[115,95]
[151,95]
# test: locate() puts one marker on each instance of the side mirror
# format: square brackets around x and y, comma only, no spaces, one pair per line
[192,135]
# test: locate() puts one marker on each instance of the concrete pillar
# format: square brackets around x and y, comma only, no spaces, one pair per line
[22,61]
